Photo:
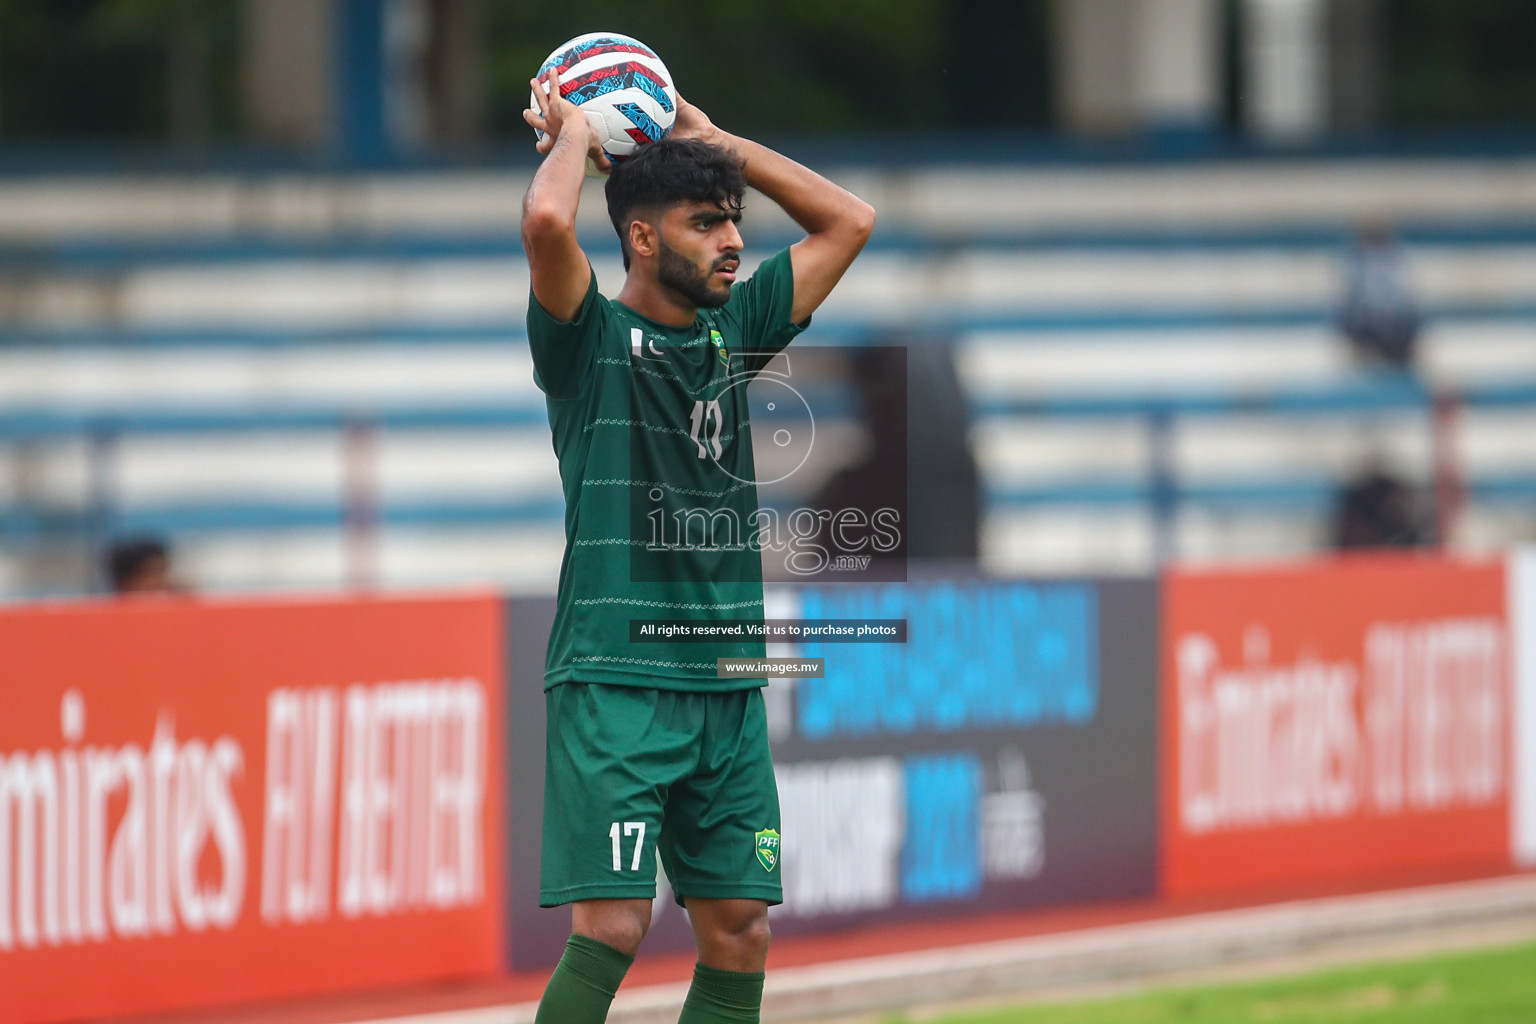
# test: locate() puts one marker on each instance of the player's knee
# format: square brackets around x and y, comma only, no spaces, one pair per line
[739,939]
[616,923]
[756,936]
[623,934]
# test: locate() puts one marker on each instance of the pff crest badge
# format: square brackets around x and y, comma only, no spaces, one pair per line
[719,343]
[768,849]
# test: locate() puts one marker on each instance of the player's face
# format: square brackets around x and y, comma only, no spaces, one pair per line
[698,253]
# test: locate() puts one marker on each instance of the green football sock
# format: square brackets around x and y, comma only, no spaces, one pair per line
[582,987]
[723,997]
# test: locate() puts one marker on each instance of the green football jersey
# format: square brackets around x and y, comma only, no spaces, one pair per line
[653,435]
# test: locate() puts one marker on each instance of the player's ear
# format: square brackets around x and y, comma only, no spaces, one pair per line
[642,238]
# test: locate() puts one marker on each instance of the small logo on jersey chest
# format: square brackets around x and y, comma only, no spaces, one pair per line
[719,343]
[641,346]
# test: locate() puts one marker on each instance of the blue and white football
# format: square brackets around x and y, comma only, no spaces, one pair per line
[621,85]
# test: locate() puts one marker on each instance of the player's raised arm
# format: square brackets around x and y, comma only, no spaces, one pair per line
[560,269]
[837,222]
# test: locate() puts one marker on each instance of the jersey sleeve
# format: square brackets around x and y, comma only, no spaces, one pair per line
[564,352]
[762,307]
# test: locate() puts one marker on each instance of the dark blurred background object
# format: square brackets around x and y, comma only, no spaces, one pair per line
[370,80]
[944,503]
[1379,314]
[914,413]
[140,565]
[877,478]
[1379,509]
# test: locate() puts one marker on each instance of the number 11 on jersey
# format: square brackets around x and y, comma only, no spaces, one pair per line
[630,828]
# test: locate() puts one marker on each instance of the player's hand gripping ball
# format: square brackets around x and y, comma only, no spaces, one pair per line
[620,84]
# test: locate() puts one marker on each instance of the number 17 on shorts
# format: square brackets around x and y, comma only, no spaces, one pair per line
[620,834]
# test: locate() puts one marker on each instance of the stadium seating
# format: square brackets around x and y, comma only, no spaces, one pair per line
[198,356]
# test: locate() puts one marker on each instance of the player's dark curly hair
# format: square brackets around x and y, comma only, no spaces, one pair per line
[670,172]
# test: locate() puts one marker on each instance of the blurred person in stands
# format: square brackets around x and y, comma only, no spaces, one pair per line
[899,380]
[944,513]
[1379,315]
[141,565]
[1378,509]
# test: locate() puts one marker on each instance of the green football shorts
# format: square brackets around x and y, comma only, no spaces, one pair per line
[631,772]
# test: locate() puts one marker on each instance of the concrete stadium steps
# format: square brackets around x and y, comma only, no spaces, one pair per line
[364,293]
[1049,363]
[1050,540]
[943,200]
[153,471]
[1046,455]
[346,375]
[992,363]
[1069,540]
[1020,451]
[1013,449]
[1041,363]
[523,560]
[1073,540]
[495,468]
[884,288]
[1459,352]
[518,561]
[54,208]
[1180,195]
[1496,441]
[478,465]
[984,279]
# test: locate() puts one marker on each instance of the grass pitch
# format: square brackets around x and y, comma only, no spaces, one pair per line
[1495,986]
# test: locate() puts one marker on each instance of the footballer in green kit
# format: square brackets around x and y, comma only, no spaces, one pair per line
[649,755]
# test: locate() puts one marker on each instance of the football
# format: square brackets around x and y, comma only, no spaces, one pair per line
[621,85]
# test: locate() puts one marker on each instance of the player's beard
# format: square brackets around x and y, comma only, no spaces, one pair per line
[677,272]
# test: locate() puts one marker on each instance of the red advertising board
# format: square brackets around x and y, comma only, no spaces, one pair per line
[210,802]
[1335,722]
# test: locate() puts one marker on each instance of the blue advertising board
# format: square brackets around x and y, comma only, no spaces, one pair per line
[1003,757]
